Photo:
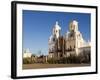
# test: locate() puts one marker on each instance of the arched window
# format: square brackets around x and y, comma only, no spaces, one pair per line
[56,31]
[53,39]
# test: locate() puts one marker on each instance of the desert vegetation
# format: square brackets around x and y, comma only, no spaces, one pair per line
[72,59]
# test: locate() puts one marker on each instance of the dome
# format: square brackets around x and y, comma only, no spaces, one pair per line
[73,26]
[74,22]
[57,27]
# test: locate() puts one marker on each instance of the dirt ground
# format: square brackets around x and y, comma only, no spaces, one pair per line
[39,66]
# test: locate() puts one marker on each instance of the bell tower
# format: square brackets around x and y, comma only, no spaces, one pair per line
[56,30]
[73,26]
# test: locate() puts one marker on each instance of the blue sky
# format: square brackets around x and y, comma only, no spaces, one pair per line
[37,27]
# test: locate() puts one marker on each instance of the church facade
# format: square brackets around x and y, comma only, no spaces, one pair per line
[72,43]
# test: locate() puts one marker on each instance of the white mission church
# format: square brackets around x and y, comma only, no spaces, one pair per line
[72,43]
